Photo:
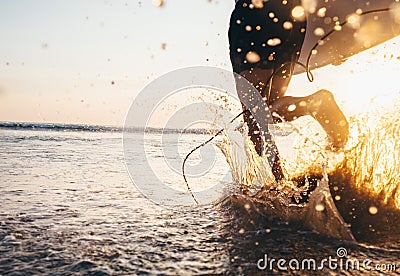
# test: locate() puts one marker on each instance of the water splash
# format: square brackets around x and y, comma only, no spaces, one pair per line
[370,161]
[373,162]
[302,148]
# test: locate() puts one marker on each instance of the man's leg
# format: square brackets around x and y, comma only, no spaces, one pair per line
[258,77]
[322,107]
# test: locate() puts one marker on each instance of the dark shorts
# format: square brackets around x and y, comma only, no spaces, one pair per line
[266,37]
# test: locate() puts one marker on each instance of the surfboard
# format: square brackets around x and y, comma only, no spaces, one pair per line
[337,30]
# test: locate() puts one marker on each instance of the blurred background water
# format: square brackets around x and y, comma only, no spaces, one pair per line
[68,206]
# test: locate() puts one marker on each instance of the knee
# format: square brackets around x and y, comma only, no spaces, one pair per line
[323,96]
[319,98]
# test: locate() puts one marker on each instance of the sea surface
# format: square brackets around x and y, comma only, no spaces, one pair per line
[70,207]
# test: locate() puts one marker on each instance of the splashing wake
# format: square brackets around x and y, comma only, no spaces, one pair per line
[369,162]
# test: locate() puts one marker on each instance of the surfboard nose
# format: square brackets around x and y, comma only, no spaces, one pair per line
[337,30]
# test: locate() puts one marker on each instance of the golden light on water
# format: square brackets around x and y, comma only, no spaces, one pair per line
[374,161]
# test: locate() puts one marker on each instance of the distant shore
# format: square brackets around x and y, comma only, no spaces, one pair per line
[95,128]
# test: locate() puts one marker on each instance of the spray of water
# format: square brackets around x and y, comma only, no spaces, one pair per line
[373,162]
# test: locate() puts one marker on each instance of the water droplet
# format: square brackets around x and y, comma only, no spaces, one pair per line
[319,31]
[258,3]
[337,28]
[319,207]
[309,5]
[291,107]
[373,210]
[252,57]
[303,104]
[354,21]
[274,42]
[158,3]
[321,12]
[287,25]
[271,57]
[327,20]
[299,13]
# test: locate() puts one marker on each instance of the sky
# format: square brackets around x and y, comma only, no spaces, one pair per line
[86,61]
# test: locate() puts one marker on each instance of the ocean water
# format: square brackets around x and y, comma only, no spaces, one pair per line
[69,207]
